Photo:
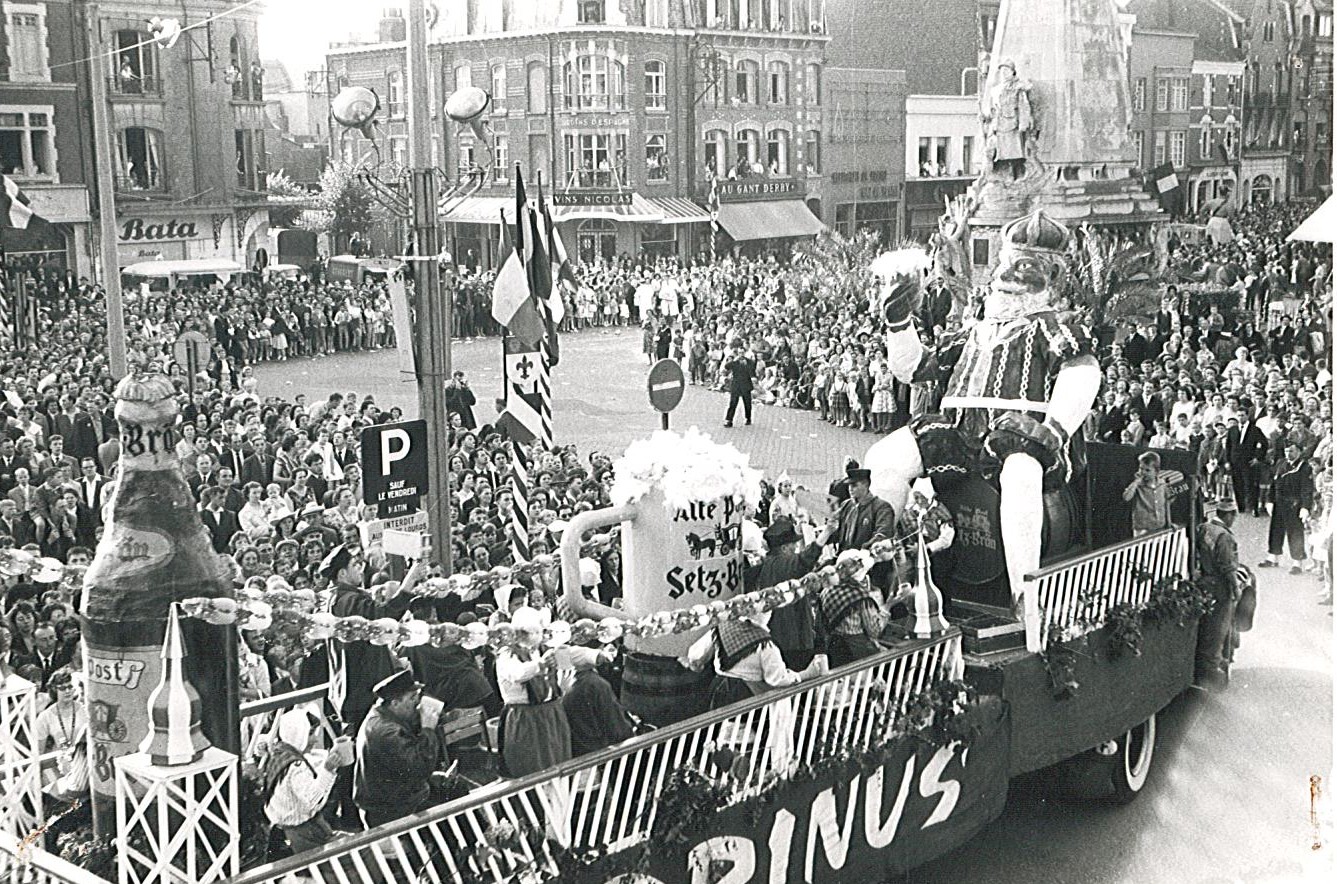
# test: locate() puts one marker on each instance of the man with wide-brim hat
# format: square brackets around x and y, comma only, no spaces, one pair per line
[397,750]
[794,628]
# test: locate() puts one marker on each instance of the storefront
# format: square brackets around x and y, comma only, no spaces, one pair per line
[1264,179]
[62,245]
[1210,185]
[184,234]
[924,201]
[765,214]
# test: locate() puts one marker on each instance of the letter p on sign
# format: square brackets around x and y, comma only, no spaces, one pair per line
[395,446]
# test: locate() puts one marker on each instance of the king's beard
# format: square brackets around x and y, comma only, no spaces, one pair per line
[999,306]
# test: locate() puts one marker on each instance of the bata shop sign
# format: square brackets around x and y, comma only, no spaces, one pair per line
[134,230]
[919,804]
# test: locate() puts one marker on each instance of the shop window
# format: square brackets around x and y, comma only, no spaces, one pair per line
[26,36]
[536,75]
[135,66]
[777,152]
[27,139]
[656,159]
[140,155]
[596,240]
[656,86]
[657,241]
[499,87]
[596,159]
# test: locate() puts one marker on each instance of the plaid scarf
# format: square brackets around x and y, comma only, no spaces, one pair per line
[735,639]
[844,598]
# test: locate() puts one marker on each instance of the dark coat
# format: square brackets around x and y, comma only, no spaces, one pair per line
[460,400]
[596,717]
[741,372]
[365,664]
[793,627]
[394,759]
[221,527]
[862,523]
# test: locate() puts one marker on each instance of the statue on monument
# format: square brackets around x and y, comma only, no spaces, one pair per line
[1009,126]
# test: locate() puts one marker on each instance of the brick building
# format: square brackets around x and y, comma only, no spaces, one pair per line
[1160,72]
[189,129]
[1312,122]
[625,113]
[44,133]
[865,127]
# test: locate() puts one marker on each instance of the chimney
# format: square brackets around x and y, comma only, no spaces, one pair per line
[392,28]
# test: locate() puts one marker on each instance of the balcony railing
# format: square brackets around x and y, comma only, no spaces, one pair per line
[129,183]
[595,102]
[149,85]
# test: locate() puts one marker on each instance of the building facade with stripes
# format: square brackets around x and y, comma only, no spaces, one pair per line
[625,110]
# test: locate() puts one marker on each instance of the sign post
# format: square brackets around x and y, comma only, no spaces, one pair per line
[191,352]
[394,467]
[665,385]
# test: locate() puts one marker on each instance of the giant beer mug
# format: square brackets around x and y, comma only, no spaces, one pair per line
[680,500]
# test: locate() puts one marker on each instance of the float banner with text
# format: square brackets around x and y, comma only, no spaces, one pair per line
[920,803]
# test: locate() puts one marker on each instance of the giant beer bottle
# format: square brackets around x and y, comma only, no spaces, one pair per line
[154,551]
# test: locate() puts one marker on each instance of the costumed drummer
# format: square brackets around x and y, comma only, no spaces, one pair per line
[397,750]
[1218,569]
[747,661]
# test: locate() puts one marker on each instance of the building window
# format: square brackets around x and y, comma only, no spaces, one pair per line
[1207,90]
[1162,94]
[656,158]
[812,151]
[399,151]
[1232,91]
[656,86]
[590,12]
[1278,79]
[1136,141]
[1178,147]
[135,66]
[596,240]
[1179,93]
[656,13]
[968,155]
[250,159]
[499,87]
[1205,143]
[594,83]
[812,84]
[745,82]
[394,94]
[747,153]
[1140,95]
[1158,149]
[1269,31]
[27,139]
[1325,24]
[536,75]
[25,32]
[778,75]
[1298,135]
[716,151]
[501,159]
[140,153]
[596,159]
[463,77]
[777,152]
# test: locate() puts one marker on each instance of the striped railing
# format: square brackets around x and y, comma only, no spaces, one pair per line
[1075,595]
[259,718]
[608,800]
[22,863]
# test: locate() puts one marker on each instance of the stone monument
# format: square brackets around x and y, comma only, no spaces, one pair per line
[1055,109]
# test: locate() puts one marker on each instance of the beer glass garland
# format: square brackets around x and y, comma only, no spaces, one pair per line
[279,604]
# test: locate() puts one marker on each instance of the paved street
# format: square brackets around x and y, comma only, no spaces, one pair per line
[1229,799]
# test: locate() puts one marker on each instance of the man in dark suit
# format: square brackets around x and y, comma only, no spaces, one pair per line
[229,455]
[46,656]
[91,485]
[9,462]
[259,467]
[865,517]
[742,368]
[18,527]
[1247,450]
[221,523]
[233,499]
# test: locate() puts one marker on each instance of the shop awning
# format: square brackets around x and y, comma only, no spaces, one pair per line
[478,210]
[1320,226]
[679,210]
[768,219]
[189,267]
[640,211]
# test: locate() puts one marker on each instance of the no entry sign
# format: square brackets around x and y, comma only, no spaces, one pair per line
[394,467]
[666,385]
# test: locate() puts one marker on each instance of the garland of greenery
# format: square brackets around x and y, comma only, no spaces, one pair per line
[1174,600]
[691,799]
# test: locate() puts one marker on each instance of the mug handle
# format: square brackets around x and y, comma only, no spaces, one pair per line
[571,540]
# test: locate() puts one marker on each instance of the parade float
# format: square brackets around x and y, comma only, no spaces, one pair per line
[1064,639]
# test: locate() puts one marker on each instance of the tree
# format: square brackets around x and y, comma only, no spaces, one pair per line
[343,206]
[282,186]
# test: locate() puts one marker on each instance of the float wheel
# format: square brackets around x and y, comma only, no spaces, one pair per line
[1133,760]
